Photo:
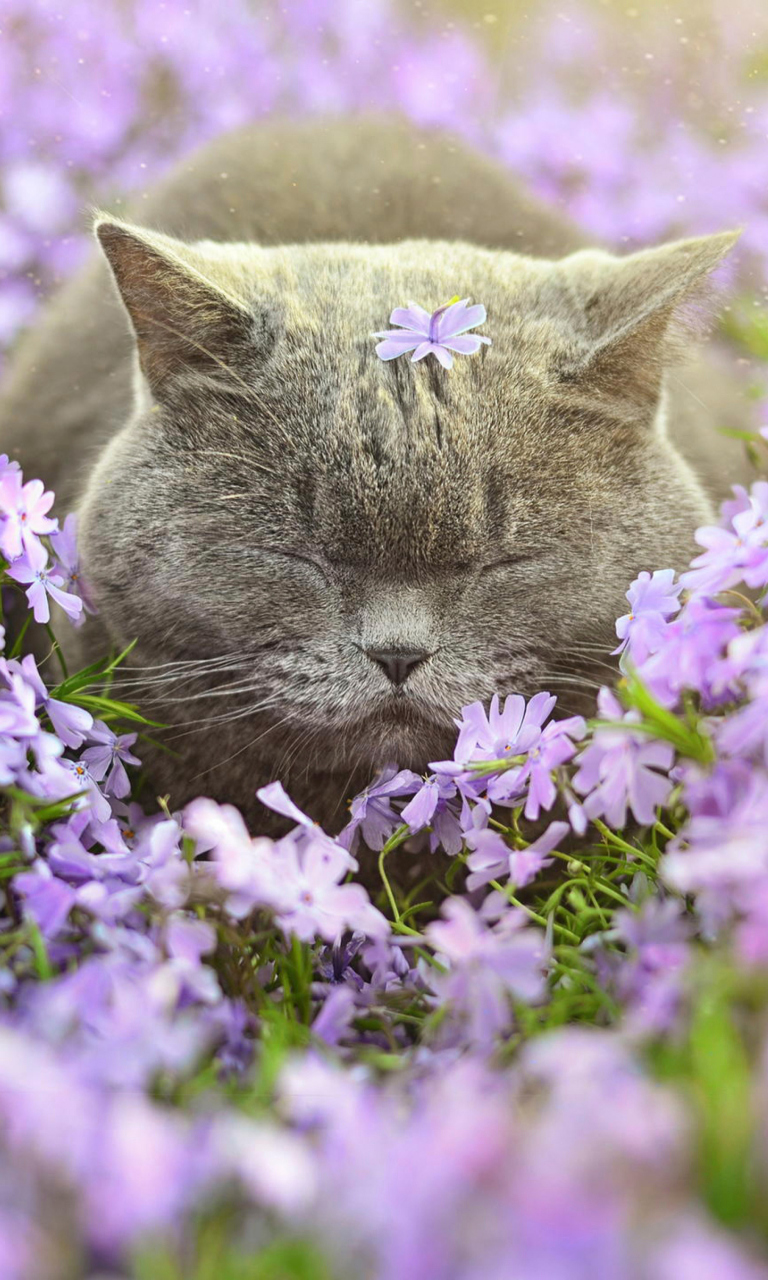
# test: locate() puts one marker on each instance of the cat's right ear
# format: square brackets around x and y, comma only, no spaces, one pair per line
[184,321]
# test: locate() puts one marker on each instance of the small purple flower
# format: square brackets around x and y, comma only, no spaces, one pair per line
[652,600]
[510,731]
[32,567]
[24,507]
[108,758]
[621,769]
[552,750]
[64,544]
[372,814]
[435,804]
[486,967]
[690,655]
[493,859]
[83,781]
[335,1017]
[46,898]
[438,334]
[275,797]
[313,901]
[70,723]
[732,555]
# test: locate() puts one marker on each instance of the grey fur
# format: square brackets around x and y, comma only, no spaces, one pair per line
[259,488]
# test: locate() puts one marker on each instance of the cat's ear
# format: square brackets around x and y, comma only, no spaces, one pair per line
[184,320]
[631,316]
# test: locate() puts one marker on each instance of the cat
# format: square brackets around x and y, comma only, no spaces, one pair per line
[324,556]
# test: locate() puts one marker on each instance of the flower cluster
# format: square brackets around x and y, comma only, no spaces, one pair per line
[160,970]
[220,1051]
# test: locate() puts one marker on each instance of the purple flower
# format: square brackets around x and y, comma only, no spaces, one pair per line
[24,507]
[440,333]
[372,815]
[70,723]
[47,899]
[64,544]
[82,780]
[333,1021]
[17,703]
[435,804]
[492,858]
[652,600]
[107,760]
[733,555]
[651,980]
[487,966]
[552,750]
[722,855]
[162,870]
[32,567]
[689,655]
[500,733]
[244,867]
[275,797]
[312,899]
[621,769]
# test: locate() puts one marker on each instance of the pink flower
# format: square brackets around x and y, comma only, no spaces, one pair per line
[24,507]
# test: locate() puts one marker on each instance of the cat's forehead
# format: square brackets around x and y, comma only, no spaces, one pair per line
[347,284]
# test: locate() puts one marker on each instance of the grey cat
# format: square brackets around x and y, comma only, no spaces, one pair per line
[325,556]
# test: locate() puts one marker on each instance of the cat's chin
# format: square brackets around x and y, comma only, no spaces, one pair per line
[400,734]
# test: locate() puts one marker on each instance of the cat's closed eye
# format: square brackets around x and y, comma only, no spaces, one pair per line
[507,562]
[277,554]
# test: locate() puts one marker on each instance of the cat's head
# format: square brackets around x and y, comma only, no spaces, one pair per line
[373,545]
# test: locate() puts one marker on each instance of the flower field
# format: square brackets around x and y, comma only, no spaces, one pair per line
[221,1056]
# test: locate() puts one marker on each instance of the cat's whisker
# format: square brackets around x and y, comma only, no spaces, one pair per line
[227,718]
[247,747]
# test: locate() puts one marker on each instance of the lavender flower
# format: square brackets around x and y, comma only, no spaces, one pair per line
[487,966]
[372,815]
[24,507]
[67,562]
[653,599]
[32,567]
[622,770]
[106,760]
[70,723]
[438,334]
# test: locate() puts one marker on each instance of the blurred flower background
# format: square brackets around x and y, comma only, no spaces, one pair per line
[560,1071]
[640,121]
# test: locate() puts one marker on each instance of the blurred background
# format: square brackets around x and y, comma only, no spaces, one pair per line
[641,120]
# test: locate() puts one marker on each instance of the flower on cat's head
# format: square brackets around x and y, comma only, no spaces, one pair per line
[438,334]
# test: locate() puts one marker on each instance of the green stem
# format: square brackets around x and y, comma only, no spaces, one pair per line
[532,914]
[394,840]
[16,650]
[605,888]
[665,831]
[57,649]
[611,836]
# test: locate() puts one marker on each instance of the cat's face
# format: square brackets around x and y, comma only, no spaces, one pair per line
[345,551]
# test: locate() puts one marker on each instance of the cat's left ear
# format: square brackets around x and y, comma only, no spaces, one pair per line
[184,320]
[631,316]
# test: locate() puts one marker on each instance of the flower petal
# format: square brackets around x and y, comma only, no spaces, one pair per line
[466,345]
[413,317]
[458,318]
[390,350]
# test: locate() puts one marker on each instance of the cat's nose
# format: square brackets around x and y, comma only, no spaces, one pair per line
[397,664]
